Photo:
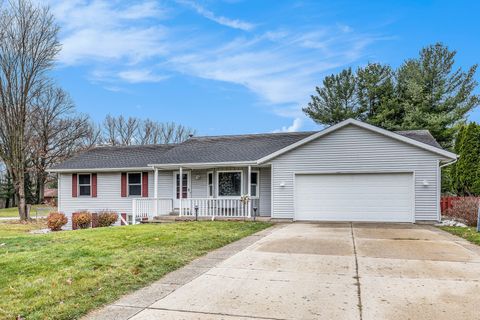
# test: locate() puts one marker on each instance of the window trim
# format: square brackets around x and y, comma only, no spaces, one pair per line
[257,186]
[135,184]
[241,184]
[78,185]
[213,185]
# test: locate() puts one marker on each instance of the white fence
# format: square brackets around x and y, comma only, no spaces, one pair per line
[147,208]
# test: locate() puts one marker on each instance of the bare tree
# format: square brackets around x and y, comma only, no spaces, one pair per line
[121,131]
[28,46]
[57,132]
[110,130]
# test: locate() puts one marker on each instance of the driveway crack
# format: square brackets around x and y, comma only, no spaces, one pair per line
[357,275]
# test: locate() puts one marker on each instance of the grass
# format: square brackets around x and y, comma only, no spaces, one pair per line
[469,234]
[63,275]
[15,228]
[13,212]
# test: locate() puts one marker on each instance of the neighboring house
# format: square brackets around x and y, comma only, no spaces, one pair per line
[351,171]
[50,196]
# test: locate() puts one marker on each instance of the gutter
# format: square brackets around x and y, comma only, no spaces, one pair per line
[448,163]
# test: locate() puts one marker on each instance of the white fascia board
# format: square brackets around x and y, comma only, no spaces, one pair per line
[100,170]
[367,126]
[203,164]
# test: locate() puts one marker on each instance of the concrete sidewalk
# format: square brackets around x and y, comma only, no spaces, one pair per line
[320,271]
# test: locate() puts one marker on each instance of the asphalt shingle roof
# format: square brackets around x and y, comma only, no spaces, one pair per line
[116,157]
[420,135]
[231,148]
[212,149]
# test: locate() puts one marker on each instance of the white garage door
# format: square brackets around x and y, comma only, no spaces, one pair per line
[354,197]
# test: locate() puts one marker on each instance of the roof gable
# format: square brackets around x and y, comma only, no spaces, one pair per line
[416,138]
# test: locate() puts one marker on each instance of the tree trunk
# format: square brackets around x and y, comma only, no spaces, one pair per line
[40,187]
[19,178]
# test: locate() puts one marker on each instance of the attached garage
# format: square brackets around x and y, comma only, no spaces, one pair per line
[355,197]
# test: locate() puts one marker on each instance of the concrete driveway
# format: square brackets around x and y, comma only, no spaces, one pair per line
[322,271]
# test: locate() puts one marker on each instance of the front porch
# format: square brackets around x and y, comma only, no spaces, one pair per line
[193,208]
[216,191]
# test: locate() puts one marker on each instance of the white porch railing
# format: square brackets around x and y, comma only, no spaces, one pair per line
[147,208]
[217,207]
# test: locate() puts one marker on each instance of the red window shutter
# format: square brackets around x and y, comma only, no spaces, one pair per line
[74,185]
[124,185]
[94,185]
[145,185]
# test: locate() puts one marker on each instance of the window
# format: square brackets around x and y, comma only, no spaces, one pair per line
[254,184]
[84,185]
[210,184]
[229,183]
[134,184]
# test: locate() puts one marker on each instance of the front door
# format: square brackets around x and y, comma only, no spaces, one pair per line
[185,187]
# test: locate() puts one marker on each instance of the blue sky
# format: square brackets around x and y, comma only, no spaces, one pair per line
[232,66]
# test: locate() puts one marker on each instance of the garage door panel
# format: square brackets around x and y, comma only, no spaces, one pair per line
[354,197]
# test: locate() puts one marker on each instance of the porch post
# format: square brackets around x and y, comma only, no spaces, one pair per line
[180,191]
[249,191]
[155,190]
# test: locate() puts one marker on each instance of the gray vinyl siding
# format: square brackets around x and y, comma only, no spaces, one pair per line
[351,149]
[165,184]
[109,188]
[265,192]
[108,195]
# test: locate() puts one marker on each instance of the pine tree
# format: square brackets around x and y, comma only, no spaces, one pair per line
[467,168]
[336,100]
[424,93]
[376,96]
[434,95]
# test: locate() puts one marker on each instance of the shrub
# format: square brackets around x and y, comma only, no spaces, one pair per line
[56,221]
[464,209]
[82,219]
[106,218]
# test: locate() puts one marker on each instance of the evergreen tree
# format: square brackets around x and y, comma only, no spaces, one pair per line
[7,191]
[434,95]
[467,169]
[424,93]
[336,100]
[376,96]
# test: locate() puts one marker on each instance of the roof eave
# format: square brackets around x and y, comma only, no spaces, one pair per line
[202,164]
[100,170]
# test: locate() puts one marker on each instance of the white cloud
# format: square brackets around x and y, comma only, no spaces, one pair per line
[106,31]
[140,76]
[232,23]
[295,126]
[123,43]
[281,68]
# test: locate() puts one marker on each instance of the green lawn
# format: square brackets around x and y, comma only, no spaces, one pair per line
[63,275]
[13,212]
[469,234]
